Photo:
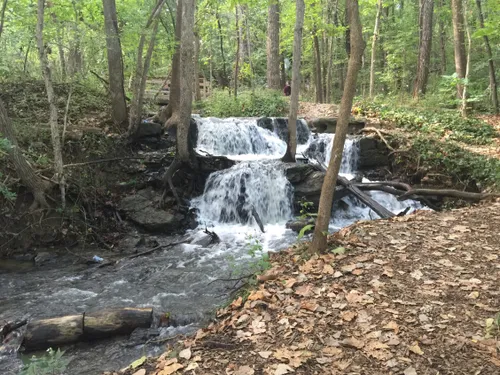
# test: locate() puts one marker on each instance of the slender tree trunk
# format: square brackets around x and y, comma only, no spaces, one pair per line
[357,45]
[225,79]
[186,70]
[249,47]
[2,15]
[424,53]
[62,58]
[238,43]
[175,82]
[374,48]
[35,184]
[491,63]
[75,60]
[317,58]
[197,91]
[459,42]
[54,128]
[442,41]
[115,64]
[273,45]
[464,109]
[294,98]
[142,69]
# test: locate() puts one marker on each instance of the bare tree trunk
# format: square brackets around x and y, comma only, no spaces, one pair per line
[60,47]
[317,58]
[459,43]
[442,41]
[225,79]
[273,45]
[197,91]
[357,47]
[75,59]
[27,175]
[237,62]
[491,63]
[54,128]
[424,53]
[464,109]
[142,69]
[249,47]
[186,70]
[175,82]
[2,15]
[294,98]
[374,48]
[115,64]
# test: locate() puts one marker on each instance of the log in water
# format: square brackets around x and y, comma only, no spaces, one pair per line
[55,332]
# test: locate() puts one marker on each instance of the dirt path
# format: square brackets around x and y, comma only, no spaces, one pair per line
[411,295]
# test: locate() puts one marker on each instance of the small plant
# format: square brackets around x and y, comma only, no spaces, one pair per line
[261,260]
[51,363]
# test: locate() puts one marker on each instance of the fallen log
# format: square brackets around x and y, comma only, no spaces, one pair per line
[447,193]
[114,322]
[55,332]
[10,327]
[380,210]
[46,333]
[257,219]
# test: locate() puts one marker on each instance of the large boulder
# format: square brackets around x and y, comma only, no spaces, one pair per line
[329,125]
[309,190]
[372,153]
[297,172]
[142,209]
[149,129]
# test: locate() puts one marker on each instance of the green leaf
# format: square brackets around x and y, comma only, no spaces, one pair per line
[305,229]
[138,362]
[339,250]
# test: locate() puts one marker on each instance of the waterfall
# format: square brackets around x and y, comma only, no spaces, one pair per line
[230,195]
[320,149]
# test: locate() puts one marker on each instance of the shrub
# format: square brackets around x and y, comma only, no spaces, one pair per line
[256,103]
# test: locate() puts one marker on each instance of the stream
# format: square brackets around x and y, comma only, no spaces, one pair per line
[180,280]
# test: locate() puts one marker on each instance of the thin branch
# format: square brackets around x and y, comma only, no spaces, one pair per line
[101,161]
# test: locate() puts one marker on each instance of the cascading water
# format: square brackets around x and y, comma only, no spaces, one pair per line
[231,195]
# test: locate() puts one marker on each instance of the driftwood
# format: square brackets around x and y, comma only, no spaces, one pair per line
[55,332]
[10,327]
[447,193]
[374,205]
[379,133]
[45,333]
[257,219]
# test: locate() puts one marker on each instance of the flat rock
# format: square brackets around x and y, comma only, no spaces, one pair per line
[297,172]
[142,209]
[149,129]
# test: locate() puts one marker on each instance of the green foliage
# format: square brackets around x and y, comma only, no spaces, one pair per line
[304,230]
[339,250]
[51,363]
[259,103]
[443,124]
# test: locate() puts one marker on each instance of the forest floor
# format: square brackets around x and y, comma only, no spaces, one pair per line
[409,295]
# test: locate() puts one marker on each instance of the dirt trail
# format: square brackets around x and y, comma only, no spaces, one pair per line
[410,295]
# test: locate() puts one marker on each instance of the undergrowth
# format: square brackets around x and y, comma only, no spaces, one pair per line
[256,103]
[445,124]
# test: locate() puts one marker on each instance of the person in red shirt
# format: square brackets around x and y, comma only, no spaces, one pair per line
[287,90]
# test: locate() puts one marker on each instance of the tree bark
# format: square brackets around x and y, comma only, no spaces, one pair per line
[294,97]
[54,128]
[224,80]
[186,74]
[442,40]
[273,46]
[459,43]
[425,47]
[175,71]
[35,184]
[491,63]
[238,45]
[374,48]
[115,64]
[60,48]
[317,58]
[464,108]
[357,46]
[2,16]
[197,91]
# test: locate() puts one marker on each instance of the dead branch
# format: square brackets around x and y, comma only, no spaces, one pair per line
[105,82]
[448,193]
[379,133]
[10,327]
[101,161]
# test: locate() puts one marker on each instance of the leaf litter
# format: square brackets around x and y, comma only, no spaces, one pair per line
[416,308]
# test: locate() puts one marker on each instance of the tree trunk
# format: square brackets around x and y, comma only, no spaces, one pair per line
[294,97]
[237,62]
[442,40]
[491,63]
[115,64]
[425,47]
[273,45]
[249,47]
[2,15]
[224,79]
[374,48]
[357,47]
[60,48]
[27,175]
[197,91]
[175,71]
[142,69]
[459,43]
[317,58]
[186,86]
[54,128]
[464,109]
